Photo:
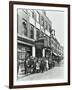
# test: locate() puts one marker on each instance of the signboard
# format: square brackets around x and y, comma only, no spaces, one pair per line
[39,44]
[42,42]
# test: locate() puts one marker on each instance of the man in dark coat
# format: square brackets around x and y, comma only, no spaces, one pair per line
[42,66]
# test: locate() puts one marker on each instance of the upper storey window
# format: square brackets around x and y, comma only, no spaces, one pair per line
[46,25]
[32,31]
[33,14]
[25,27]
[42,21]
[38,17]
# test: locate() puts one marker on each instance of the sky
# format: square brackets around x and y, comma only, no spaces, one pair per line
[57,19]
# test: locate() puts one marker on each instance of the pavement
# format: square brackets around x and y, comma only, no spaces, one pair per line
[54,73]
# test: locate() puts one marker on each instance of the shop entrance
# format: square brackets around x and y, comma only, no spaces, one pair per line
[38,52]
[47,54]
[22,52]
[39,44]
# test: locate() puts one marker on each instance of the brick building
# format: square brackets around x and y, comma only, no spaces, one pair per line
[32,25]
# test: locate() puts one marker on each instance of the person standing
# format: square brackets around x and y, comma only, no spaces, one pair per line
[46,63]
[34,65]
[37,66]
[42,65]
[25,66]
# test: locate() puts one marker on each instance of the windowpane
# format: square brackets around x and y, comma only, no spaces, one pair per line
[33,14]
[42,21]
[50,29]
[19,55]
[38,34]
[32,32]
[46,25]
[38,17]
[41,34]
[25,28]
[25,10]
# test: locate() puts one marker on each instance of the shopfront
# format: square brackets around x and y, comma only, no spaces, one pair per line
[22,52]
[39,44]
[24,49]
[42,47]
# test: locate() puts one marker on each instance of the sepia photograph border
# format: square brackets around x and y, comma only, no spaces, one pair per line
[11,48]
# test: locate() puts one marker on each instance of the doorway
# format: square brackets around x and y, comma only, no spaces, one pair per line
[38,52]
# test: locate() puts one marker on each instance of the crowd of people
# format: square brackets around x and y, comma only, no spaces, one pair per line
[36,65]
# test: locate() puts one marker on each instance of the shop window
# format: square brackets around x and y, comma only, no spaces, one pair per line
[21,54]
[25,27]
[32,31]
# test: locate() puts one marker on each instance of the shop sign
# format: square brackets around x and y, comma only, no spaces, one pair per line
[39,44]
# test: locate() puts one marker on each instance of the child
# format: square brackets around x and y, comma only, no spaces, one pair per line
[37,67]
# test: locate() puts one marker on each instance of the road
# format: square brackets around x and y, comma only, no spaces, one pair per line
[54,73]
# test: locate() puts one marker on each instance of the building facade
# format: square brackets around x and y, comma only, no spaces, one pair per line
[32,25]
[34,30]
[57,50]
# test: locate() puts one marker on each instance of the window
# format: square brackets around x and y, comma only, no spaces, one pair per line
[17,23]
[32,31]
[50,29]
[38,34]
[33,14]
[42,21]
[46,25]
[25,10]
[38,17]
[41,34]
[21,53]
[25,28]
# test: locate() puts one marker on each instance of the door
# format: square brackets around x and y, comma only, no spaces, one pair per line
[38,52]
